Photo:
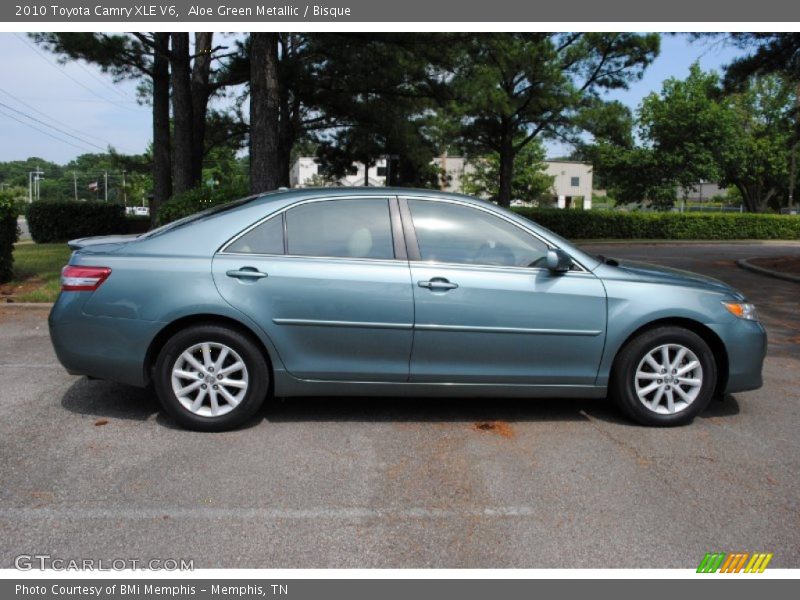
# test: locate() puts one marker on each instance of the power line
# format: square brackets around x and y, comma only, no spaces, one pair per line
[27,116]
[46,116]
[47,133]
[126,96]
[67,75]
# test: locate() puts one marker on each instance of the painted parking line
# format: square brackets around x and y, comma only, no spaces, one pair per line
[299,514]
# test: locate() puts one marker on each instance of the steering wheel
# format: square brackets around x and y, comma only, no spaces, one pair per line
[499,255]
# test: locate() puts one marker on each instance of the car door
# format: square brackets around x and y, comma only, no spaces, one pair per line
[486,309]
[329,282]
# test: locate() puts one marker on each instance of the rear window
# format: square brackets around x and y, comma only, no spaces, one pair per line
[204,214]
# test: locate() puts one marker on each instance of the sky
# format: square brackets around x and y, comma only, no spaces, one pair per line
[86,111]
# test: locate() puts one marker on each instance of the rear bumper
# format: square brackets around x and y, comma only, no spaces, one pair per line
[746,345]
[103,347]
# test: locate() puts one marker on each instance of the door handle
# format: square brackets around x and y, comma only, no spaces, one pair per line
[437,283]
[246,272]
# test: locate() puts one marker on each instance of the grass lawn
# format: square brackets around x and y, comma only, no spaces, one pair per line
[37,272]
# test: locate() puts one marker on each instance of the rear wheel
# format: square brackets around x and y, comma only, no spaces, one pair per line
[664,376]
[211,378]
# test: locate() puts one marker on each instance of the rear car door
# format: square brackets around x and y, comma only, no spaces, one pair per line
[486,309]
[329,282]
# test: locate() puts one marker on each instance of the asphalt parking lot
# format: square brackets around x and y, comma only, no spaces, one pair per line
[90,469]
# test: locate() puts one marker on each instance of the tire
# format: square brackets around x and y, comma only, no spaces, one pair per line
[643,391]
[226,392]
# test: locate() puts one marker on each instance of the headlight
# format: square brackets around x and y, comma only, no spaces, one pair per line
[743,310]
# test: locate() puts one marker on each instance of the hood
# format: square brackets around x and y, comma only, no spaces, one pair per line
[647,272]
[109,242]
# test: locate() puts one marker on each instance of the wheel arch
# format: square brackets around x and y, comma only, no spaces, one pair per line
[714,342]
[173,327]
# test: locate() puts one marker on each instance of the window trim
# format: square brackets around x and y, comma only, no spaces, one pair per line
[281,213]
[413,244]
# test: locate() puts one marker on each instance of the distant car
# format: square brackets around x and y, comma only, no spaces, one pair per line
[392,292]
[138,211]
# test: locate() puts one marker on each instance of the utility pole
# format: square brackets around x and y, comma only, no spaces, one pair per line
[105,185]
[124,192]
[33,183]
[75,184]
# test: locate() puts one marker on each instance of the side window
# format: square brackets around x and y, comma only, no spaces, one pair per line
[452,233]
[267,238]
[351,228]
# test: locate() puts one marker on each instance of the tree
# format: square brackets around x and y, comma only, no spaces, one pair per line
[163,62]
[530,182]
[134,56]
[742,140]
[771,53]
[376,93]
[265,101]
[511,88]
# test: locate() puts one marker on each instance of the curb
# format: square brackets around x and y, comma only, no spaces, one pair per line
[745,264]
[26,304]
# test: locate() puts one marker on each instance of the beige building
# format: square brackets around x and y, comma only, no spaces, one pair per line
[572,183]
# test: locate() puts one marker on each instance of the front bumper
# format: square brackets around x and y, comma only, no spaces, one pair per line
[746,346]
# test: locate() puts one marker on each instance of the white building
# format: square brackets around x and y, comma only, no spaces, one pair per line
[305,168]
[572,183]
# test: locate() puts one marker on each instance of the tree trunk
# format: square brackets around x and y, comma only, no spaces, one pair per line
[506,172]
[200,90]
[162,168]
[265,100]
[181,112]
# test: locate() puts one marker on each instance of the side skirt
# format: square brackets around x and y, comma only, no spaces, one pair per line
[286,386]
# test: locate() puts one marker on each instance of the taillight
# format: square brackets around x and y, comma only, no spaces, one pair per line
[83,279]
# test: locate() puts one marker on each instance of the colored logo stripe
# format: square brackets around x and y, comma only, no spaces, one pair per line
[734,562]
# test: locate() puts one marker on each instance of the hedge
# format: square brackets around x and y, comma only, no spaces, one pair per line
[53,221]
[588,224]
[192,201]
[8,235]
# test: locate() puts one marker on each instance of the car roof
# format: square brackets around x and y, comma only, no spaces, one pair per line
[297,194]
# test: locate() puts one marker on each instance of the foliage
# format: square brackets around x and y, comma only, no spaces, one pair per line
[588,224]
[510,88]
[9,232]
[700,134]
[530,182]
[192,201]
[60,181]
[62,221]
[17,196]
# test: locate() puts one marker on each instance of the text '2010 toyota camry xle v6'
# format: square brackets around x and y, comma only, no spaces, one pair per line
[392,292]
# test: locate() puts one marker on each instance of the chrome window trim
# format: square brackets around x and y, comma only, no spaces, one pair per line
[282,211]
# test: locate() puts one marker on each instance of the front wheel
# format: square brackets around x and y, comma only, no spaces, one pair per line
[664,376]
[211,378]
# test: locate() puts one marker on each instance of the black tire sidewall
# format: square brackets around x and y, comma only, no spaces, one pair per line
[258,376]
[623,386]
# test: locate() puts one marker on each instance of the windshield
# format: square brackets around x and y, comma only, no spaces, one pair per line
[204,214]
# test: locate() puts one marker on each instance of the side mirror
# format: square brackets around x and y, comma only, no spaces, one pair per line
[558,261]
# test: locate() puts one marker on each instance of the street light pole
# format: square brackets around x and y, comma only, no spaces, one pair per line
[105,185]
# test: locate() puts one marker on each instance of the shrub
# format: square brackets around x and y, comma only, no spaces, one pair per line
[8,236]
[192,201]
[53,221]
[137,223]
[588,224]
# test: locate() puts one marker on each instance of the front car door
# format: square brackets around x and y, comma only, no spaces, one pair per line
[486,309]
[329,282]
